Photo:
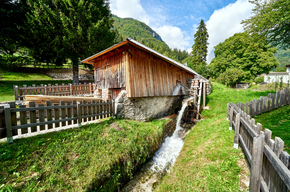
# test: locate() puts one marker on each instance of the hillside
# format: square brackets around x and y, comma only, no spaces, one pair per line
[283,57]
[128,27]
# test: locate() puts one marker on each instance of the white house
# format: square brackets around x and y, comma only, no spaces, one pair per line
[278,76]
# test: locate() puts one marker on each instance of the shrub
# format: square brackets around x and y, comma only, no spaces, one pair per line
[259,79]
[230,76]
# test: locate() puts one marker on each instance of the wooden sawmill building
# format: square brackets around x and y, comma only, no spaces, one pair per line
[141,71]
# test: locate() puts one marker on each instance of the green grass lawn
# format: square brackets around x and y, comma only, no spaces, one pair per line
[18,76]
[208,161]
[278,122]
[7,90]
[8,79]
[72,160]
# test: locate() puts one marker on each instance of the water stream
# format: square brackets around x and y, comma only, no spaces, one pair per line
[152,172]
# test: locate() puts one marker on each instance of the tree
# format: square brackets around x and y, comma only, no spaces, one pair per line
[72,29]
[242,52]
[271,19]
[230,76]
[199,48]
[12,15]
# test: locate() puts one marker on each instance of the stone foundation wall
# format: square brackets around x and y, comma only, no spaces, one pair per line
[146,108]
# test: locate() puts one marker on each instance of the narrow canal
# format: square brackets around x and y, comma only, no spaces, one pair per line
[153,171]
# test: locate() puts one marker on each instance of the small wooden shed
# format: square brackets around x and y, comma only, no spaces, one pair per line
[141,71]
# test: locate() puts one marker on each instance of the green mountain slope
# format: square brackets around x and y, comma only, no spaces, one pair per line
[128,27]
[283,57]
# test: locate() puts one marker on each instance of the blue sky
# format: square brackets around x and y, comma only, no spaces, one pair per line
[176,21]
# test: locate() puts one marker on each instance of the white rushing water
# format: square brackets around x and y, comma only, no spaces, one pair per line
[162,160]
[170,148]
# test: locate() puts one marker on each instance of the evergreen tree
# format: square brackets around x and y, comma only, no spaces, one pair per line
[12,14]
[72,29]
[199,48]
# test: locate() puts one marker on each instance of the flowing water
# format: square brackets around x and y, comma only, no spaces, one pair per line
[163,159]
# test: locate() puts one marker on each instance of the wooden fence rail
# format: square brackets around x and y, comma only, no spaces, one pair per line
[38,119]
[269,164]
[56,90]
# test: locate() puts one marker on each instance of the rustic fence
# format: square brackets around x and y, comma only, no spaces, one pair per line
[27,121]
[269,164]
[56,90]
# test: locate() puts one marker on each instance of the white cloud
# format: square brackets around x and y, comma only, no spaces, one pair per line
[225,22]
[129,8]
[173,37]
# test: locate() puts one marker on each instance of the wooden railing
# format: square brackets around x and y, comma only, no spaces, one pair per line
[28,121]
[269,164]
[56,90]
[265,104]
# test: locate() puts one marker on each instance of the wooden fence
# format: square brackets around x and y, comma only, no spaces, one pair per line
[265,104]
[56,90]
[29,120]
[269,164]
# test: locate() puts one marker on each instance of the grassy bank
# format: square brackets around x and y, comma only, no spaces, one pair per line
[278,122]
[208,161]
[78,159]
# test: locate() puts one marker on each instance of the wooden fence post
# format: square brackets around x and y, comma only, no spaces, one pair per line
[113,107]
[8,123]
[269,102]
[281,99]
[268,135]
[285,96]
[231,117]
[273,101]
[16,92]
[228,106]
[279,146]
[277,99]
[90,84]
[247,104]
[257,107]
[250,108]
[13,118]
[259,128]
[288,102]
[256,165]
[253,108]
[261,105]
[70,89]
[237,131]
[79,115]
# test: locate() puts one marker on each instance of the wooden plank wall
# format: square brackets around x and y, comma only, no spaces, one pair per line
[151,76]
[110,70]
[147,75]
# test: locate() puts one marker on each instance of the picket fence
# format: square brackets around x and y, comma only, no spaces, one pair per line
[32,120]
[269,164]
[56,90]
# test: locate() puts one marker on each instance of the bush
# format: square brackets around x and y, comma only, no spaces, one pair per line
[259,79]
[230,76]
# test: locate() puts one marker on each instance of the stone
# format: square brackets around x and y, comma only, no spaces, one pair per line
[119,107]
[146,108]
[119,99]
